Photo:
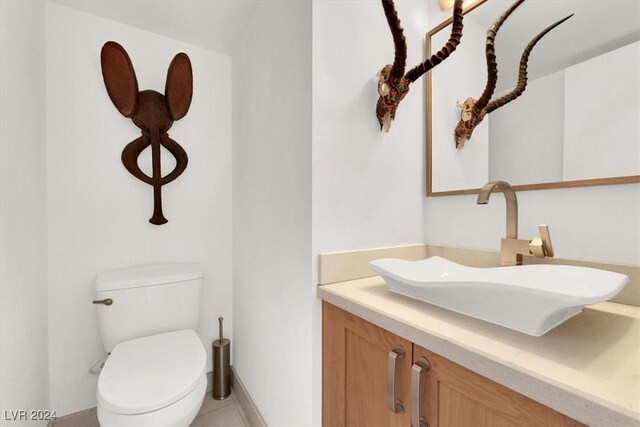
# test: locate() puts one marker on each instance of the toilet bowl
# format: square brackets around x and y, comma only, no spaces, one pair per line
[158,380]
[155,374]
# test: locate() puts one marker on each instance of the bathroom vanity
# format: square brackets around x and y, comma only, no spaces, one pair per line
[392,360]
[359,364]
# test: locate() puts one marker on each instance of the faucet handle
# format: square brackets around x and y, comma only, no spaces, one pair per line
[541,246]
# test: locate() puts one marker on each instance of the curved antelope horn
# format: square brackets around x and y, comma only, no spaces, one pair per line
[454,40]
[490,51]
[522,76]
[393,85]
[400,43]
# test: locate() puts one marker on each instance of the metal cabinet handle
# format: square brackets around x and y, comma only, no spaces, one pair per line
[417,369]
[107,301]
[397,406]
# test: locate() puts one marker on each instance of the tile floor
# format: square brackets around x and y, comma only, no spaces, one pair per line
[213,413]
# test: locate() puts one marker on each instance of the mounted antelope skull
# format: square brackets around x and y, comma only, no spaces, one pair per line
[393,83]
[473,111]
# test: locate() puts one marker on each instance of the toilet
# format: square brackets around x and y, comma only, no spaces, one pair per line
[155,374]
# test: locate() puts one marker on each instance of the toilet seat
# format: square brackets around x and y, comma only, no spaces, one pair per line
[149,373]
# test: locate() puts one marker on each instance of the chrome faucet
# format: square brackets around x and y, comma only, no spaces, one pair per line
[512,248]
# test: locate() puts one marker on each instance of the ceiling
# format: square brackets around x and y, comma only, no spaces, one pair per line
[211,24]
[217,25]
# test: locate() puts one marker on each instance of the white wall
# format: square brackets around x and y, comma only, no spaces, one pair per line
[597,223]
[98,213]
[368,186]
[272,212]
[23,284]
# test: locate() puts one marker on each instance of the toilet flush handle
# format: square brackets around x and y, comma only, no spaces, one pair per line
[107,301]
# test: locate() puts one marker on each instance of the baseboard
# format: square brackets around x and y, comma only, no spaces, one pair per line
[246,403]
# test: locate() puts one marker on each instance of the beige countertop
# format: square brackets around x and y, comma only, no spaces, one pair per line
[587,368]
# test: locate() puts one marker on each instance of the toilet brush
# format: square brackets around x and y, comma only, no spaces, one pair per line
[221,366]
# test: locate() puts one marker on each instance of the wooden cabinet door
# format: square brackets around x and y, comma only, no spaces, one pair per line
[451,395]
[355,368]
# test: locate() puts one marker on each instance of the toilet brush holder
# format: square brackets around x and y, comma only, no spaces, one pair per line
[221,367]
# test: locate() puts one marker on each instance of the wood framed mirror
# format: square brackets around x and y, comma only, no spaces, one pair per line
[577,123]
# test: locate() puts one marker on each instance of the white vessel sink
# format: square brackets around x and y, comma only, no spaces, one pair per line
[532,299]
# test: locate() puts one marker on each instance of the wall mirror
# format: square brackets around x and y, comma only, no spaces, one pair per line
[578,121]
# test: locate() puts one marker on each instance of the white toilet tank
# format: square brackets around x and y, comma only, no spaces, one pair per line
[148,300]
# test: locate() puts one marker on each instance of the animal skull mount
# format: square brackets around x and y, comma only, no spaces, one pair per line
[392,90]
[473,111]
[393,83]
[468,120]
[152,112]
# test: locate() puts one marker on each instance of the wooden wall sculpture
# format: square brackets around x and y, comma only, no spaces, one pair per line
[152,112]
